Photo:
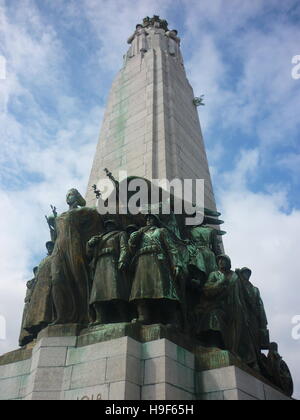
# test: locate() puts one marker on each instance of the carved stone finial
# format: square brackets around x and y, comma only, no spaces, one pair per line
[155,21]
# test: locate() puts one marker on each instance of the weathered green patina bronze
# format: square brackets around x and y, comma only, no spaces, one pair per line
[40,313]
[109,255]
[256,315]
[157,267]
[25,336]
[51,223]
[224,318]
[114,270]
[69,267]
[205,241]
[213,312]
[278,371]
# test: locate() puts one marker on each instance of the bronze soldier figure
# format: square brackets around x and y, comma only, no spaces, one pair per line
[41,309]
[69,267]
[213,310]
[110,289]
[258,323]
[156,268]
[224,320]
[25,336]
[206,248]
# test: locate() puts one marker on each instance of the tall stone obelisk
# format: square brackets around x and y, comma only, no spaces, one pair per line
[151,126]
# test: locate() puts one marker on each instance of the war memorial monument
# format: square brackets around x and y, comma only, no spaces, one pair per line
[144,305]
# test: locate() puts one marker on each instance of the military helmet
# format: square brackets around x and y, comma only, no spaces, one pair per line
[110,222]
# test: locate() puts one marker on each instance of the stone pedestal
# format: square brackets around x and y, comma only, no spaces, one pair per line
[97,365]
[232,383]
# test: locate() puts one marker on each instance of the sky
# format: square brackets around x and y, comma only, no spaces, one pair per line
[58,59]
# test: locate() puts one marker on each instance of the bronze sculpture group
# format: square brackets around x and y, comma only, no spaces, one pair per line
[99,271]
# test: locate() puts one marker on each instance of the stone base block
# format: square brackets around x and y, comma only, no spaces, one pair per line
[232,383]
[71,363]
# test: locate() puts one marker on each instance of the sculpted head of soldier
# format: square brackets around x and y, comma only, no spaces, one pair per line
[246,273]
[50,247]
[75,199]
[130,229]
[152,220]
[110,225]
[224,263]
[274,347]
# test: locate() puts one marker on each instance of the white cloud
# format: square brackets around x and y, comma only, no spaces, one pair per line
[262,99]
[205,71]
[113,23]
